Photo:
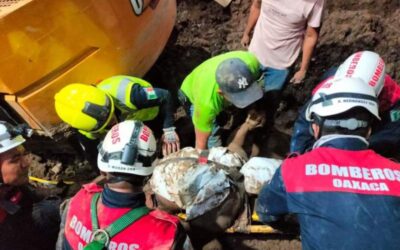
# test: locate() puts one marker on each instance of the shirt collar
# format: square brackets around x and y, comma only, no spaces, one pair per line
[115,199]
[347,142]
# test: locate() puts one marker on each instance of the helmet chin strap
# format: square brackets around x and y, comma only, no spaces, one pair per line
[350,124]
[320,122]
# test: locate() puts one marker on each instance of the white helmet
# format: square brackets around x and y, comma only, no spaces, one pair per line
[367,65]
[129,147]
[11,137]
[338,96]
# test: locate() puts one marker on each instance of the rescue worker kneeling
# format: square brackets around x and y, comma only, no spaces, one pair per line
[344,195]
[92,110]
[116,217]
[208,191]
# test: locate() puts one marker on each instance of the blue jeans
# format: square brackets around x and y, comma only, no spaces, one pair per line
[274,79]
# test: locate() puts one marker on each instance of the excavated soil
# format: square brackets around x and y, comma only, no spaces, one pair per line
[204,29]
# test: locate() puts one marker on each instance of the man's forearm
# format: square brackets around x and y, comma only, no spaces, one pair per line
[166,105]
[201,138]
[253,16]
[240,135]
[310,40]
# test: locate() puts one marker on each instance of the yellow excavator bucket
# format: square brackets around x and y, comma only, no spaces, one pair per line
[46,44]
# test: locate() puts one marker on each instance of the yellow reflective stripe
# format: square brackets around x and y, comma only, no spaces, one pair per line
[123,90]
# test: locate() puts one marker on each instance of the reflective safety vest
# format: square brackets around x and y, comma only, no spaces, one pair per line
[155,230]
[119,88]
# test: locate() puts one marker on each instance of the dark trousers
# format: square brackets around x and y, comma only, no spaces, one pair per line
[33,227]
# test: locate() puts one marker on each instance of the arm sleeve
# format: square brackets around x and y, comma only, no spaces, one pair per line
[385,137]
[154,97]
[271,202]
[314,18]
[302,138]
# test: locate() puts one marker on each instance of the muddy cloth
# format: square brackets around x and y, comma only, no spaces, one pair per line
[27,222]
[195,183]
[385,137]
[343,198]
[115,204]
[196,188]
[258,171]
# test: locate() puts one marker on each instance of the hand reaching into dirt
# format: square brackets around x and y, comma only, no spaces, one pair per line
[170,141]
[245,40]
[298,77]
[255,120]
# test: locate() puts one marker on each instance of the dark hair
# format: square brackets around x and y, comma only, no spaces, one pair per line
[134,180]
[358,113]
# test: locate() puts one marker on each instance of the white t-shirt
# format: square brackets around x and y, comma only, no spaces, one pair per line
[279,32]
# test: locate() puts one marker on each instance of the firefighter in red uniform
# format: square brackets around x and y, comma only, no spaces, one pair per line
[344,195]
[385,135]
[115,217]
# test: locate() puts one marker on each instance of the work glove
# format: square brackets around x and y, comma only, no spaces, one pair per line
[170,141]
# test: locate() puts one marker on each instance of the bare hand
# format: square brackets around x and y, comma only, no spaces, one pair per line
[256,122]
[298,77]
[245,40]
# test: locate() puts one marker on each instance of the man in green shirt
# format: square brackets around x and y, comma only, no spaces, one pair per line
[229,78]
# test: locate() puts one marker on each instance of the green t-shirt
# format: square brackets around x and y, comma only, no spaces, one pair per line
[201,87]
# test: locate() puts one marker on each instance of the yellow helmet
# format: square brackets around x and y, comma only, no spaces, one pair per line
[84,107]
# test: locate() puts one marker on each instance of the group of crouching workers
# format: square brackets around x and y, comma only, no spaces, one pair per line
[337,182]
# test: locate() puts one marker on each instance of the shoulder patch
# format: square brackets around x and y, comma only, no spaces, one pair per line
[394,115]
[150,93]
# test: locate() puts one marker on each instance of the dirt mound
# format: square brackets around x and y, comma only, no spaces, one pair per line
[204,29]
